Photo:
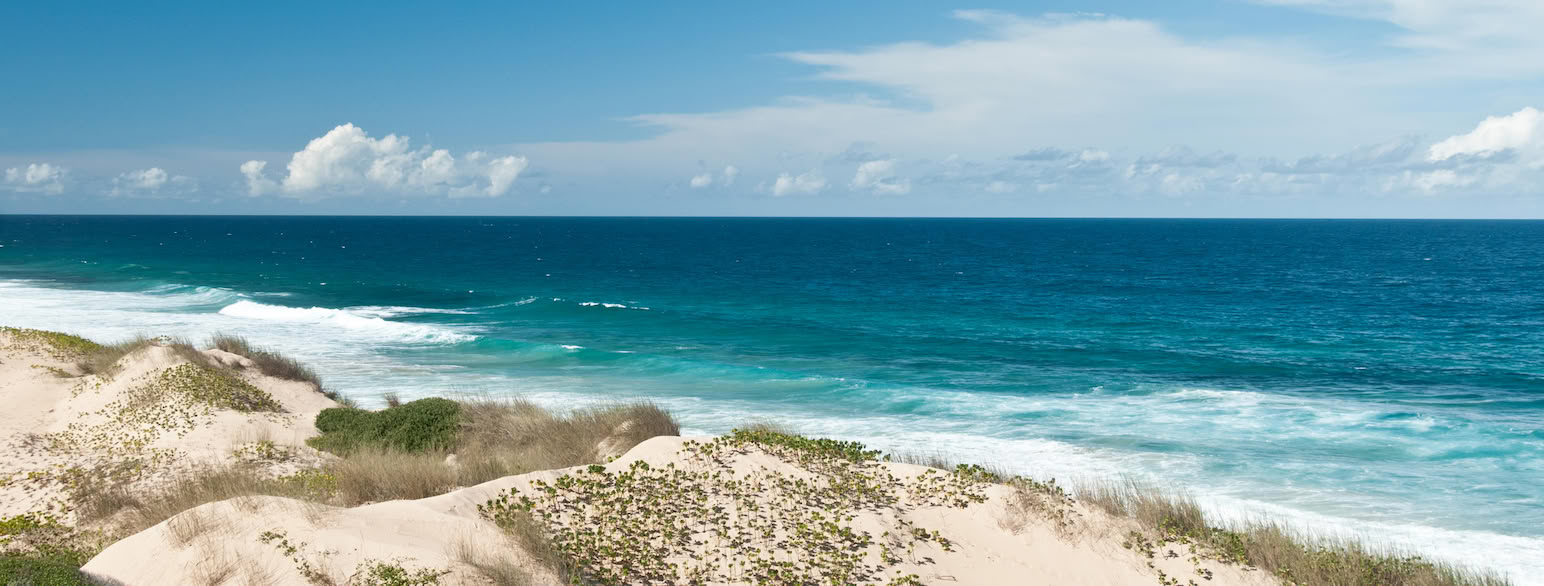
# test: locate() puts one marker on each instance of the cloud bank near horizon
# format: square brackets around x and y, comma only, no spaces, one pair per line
[1062,108]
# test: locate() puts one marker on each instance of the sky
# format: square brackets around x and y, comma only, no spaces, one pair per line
[1237,108]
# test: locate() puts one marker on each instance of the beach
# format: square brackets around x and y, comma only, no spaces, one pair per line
[183,417]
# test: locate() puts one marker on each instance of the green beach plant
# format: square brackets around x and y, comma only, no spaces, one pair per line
[425,424]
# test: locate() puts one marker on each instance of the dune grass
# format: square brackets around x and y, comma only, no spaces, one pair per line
[1293,556]
[1170,517]
[417,459]
[104,360]
[265,360]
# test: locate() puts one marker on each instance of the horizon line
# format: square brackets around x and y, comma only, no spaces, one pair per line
[749,217]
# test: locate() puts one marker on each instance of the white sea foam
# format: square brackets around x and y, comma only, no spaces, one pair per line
[344,347]
[609,305]
[338,318]
[387,311]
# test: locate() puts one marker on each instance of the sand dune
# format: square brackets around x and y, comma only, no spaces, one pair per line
[723,510]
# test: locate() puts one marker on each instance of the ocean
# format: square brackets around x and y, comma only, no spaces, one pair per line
[1375,378]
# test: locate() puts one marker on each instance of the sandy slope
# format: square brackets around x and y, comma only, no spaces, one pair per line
[226,538]
[273,540]
[53,423]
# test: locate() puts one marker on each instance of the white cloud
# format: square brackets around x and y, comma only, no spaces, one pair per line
[1093,156]
[1001,187]
[1074,80]
[805,184]
[1440,178]
[1446,24]
[152,181]
[36,178]
[702,180]
[348,161]
[257,183]
[148,179]
[502,173]
[730,172]
[1523,129]
[879,177]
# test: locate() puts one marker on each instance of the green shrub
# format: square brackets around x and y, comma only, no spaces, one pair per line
[425,424]
[41,570]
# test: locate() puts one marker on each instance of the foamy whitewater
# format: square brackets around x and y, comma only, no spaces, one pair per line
[1375,379]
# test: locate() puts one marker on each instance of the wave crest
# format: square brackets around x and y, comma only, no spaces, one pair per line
[344,319]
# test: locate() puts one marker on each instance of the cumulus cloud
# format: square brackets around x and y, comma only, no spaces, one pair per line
[347,161]
[879,177]
[152,181]
[257,183]
[1521,130]
[702,180]
[730,172]
[36,178]
[803,184]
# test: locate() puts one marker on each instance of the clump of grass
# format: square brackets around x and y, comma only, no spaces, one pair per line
[103,361]
[194,488]
[1296,558]
[497,567]
[372,474]
[267,361]
[502,438]
[340,398]
[425,424]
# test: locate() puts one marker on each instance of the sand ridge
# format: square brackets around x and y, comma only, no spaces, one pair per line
[973,530]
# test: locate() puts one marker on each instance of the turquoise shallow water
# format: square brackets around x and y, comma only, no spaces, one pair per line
[1373,377]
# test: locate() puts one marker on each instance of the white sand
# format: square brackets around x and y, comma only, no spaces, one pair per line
[222,542]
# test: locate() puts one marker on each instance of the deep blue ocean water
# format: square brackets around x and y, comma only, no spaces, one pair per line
[1381,378]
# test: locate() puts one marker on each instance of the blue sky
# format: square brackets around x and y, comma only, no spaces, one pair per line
[1276,108]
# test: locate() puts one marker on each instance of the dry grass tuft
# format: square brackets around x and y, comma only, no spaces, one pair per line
[768,427]
[214,565]
[267,361]
[200,486]
[500,438]
[189,525]
[496,565]
[374,474]
[1296,558]
[1149,506]
[103,360]
[534,541]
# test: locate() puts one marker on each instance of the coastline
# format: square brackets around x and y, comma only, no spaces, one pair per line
[978,526]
